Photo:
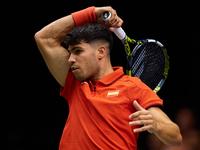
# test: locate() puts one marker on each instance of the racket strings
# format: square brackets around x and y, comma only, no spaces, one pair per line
[148,64]
[155,65]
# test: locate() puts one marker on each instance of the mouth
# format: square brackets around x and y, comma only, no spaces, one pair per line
[74,69]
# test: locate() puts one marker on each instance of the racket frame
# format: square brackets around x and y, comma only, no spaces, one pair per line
[120,33]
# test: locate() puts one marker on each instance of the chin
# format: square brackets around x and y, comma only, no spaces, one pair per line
[80,78]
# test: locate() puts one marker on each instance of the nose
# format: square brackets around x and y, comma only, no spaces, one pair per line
[71,59]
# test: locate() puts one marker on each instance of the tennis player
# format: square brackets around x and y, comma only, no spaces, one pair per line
[107,109]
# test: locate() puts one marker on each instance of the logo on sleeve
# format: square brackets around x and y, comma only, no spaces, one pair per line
[113,93]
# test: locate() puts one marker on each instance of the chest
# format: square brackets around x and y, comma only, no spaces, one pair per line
[102,101]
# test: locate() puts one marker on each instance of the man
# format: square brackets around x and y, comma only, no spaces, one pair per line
[107,108]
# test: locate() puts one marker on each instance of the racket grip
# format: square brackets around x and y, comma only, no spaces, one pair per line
[119,32]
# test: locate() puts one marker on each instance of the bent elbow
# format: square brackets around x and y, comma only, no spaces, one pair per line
[178,141]
[39,40]
[175,138]
[178,138]
[37,36]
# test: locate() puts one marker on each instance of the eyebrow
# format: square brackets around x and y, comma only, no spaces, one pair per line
[70,51]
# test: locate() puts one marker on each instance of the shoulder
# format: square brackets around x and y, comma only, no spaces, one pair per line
[134,81]
[137,90]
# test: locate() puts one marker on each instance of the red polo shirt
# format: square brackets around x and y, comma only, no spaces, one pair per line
[99,115]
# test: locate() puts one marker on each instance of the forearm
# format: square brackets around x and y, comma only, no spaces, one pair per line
[166,130]
[56,31]
[169,133]
[154,120]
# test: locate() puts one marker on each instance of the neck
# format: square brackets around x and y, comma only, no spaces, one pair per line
[104,70]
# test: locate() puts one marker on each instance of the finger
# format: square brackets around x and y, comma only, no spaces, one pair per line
[138,113]
[144,117]
[111,29]
[116,22]
[137,106]
[140,122]
[142,129]
[120,22]
[113,14]
[113,22]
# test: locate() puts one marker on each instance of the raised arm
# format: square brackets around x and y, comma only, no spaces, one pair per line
[49,38]
[49,43]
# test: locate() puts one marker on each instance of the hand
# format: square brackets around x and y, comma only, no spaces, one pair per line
[114,22]
[142,117]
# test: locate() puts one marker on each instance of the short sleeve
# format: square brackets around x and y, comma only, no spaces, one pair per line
[150,99]
[144,95]
[69,85]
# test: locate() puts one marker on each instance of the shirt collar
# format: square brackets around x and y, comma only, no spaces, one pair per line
[113,77]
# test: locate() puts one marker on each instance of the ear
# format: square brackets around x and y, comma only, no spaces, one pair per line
[101,52]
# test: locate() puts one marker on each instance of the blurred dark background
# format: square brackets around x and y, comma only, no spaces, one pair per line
[35,114]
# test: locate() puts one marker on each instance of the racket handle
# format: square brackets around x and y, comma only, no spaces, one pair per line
[119,32]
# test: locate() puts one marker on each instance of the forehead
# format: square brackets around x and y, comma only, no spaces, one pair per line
[82,46]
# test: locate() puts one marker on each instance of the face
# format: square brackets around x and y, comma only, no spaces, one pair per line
[84,61]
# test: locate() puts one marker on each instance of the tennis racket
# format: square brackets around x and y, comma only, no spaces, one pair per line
[148,60]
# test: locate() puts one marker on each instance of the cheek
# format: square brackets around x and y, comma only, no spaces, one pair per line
[91,65]
[90,60]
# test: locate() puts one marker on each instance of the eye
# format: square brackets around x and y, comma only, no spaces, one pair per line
[78,51]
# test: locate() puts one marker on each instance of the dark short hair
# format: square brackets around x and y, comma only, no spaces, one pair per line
[88,33]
